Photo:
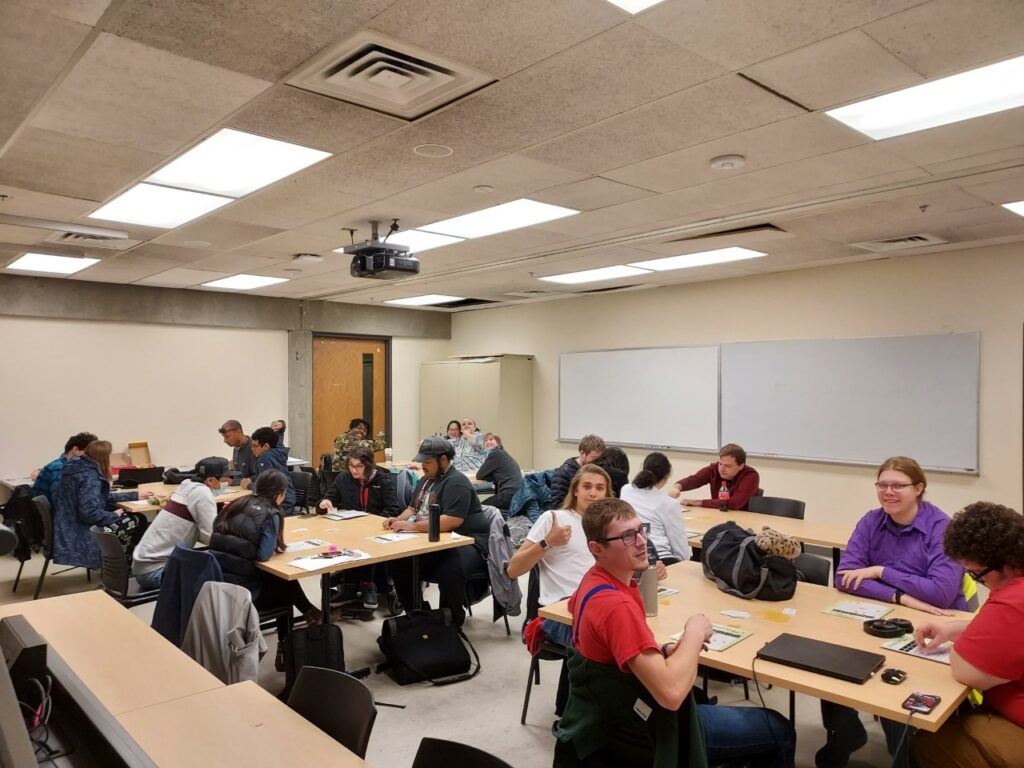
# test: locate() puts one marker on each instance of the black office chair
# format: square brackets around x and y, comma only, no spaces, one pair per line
[337,704]
[405,486]
[813,569]
[439,753]
[46,515]
[115,575]
[548,651]
[302,482]
[778,506]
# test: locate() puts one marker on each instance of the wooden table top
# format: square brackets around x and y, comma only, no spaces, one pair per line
[767,621]
[165,491]
[808,531]
[123,662]
[239,724]
[358,534]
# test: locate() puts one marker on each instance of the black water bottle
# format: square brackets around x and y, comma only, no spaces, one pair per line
[434,523]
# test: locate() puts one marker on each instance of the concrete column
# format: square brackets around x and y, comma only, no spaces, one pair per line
[300,394]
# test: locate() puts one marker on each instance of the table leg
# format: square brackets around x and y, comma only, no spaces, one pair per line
[325,597]
[417,588]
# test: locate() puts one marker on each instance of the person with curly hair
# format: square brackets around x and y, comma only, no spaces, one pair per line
[988,540]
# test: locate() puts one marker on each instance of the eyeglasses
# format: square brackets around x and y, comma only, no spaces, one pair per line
[979,575]
[629,537]
[356,465]
[892,486]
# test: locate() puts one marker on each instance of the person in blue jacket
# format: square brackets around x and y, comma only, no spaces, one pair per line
[49,476]
[271,454]
[83,499]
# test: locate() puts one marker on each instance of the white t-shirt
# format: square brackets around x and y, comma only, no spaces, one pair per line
[561,568]
[668,529]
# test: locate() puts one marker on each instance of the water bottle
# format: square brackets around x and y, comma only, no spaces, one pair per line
[434,523]
[649,590]
[723,497]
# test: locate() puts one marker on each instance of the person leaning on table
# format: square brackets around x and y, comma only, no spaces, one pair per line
[731,469]
[628,698]
[894,555]
[988,540]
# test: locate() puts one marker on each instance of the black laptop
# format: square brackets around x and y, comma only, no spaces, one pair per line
[133,478]
[848,664]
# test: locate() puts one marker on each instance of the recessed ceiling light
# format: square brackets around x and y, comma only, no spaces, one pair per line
[54,265]
[245,282]
[432,150]
[154,206]
[234,163]
[595,275]
[425,301]
[702,259]
[1017,207]
[500,218]
[418,241]
[635,6]
[981,91]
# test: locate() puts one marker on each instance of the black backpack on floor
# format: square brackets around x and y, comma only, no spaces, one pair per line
[316,645]
[425,646]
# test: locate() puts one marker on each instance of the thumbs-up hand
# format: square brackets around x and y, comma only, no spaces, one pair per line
[559,535]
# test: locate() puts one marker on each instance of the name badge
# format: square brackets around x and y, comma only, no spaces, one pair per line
[642,709]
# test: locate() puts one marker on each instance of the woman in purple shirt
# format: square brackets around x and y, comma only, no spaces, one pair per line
[894,555]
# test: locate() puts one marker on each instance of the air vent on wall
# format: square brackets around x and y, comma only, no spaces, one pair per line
[381,73]
[900,243]
[93,241]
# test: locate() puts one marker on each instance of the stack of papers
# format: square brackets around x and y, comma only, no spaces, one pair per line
[327,559]
[387,538]
[851,609]
[298,546]
[906,644]
[723,637]
[346,514]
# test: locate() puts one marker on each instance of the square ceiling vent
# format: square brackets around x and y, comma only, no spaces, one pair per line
[93,241]
[381,73]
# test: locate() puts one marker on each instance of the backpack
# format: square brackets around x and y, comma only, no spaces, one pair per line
[424,645]
[316,645]
[21,515]
[731,558]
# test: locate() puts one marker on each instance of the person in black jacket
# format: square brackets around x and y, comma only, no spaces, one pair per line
[590,450]
[501,469]
[251,530]
[368,488]
[615,462]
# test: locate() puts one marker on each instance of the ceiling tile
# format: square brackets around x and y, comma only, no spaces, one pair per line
[946,36]
[220,234]
[121,92]
[592,193]
[531,30]
[763,147]
[333,228]
[262,38]
[724,106]
[122,268]
[841,69]
[82,11]
[312,120]
[21,235]
[999,187]
[171,255]
[292,202]
[181,277]
[737,33]
[24,202]
[968,137]
[34,49]
[72,166]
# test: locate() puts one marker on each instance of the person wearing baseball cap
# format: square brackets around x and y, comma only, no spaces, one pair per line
[186,518]
[449,489]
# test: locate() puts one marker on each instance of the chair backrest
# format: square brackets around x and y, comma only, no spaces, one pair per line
[815,570]
[114,572]
[776,505]
[405,486]
[532,595]
[338,704]
[301,482]
[439,753]
[46,515]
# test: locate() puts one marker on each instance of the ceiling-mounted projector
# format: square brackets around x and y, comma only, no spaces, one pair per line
[380,260]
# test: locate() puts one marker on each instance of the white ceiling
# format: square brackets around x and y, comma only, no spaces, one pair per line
[590,108]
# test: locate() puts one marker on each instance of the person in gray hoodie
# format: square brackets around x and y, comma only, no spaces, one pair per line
[270,454]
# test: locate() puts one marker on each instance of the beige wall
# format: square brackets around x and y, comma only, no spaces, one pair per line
[169,385]
[978,290]
[406,357]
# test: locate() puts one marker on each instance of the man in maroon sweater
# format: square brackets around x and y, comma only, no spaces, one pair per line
[731,468]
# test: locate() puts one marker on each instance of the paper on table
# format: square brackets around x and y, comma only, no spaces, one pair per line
[387,538]
[691,532]
[316,562]
[723,637]
[298,546]
[666,592]
[851,609]
[905,644]
[346,514]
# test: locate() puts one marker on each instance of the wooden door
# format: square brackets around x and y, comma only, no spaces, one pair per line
[343,370]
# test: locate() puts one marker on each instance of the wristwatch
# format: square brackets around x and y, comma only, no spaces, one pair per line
[898,597]
[544,544]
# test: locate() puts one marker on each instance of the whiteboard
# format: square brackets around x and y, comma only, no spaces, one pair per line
[656,398]
[856,400]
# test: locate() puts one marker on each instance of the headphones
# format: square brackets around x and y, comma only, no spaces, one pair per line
[888,627]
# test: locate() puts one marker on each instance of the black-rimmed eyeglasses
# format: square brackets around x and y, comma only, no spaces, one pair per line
[629,537]
[979,575]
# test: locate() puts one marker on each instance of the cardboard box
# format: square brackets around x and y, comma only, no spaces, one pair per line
[139,454]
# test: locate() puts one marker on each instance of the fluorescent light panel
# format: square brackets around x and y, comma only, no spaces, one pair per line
[702,259]
[425,301]
[245,282]
[635,6]
[55,265]
[981,91]
[1017,207]
[500,218]
[154,206]
[595,275]
[233,163]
